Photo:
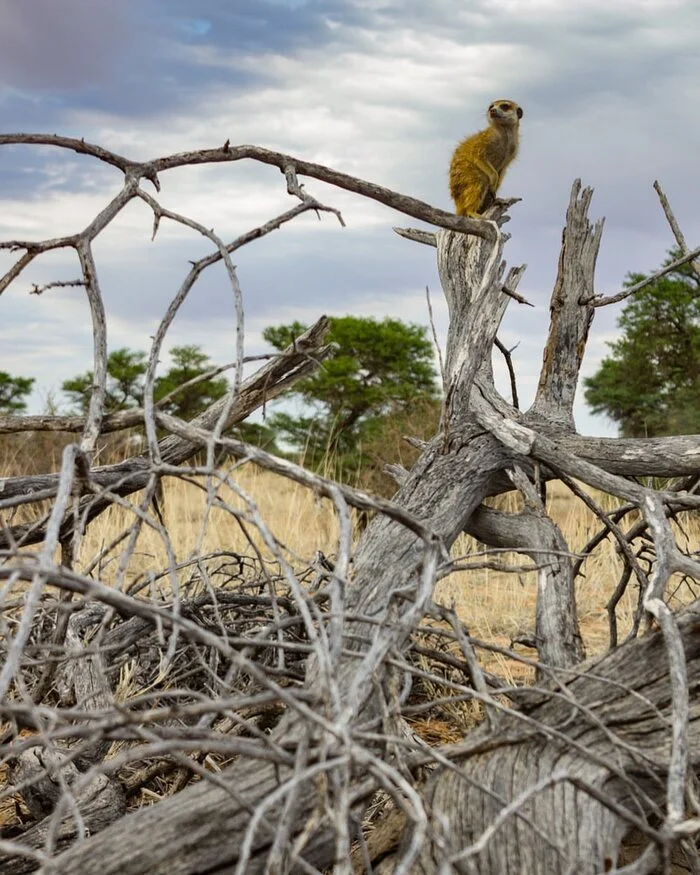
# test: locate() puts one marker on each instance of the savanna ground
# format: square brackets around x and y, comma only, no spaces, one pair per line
[494,605]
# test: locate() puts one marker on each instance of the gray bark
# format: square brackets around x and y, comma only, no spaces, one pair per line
[50,777]
[200,829]
[605,731]
[570,316]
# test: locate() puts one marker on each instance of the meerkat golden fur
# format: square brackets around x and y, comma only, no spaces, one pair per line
[479,163]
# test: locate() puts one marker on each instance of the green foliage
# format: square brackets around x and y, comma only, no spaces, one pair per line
[13,392]
[387,444]
[126,370]
[188,362]
[650,384]
[379,369]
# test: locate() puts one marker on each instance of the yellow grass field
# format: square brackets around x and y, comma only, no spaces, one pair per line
[494,605]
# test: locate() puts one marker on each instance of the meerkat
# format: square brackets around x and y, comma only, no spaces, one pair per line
[479,162]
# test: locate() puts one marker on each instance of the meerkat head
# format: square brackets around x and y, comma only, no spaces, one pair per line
[504,112]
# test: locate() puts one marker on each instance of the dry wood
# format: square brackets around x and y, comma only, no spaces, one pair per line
[602,740]
[570,319]
[127,477]
[285,691]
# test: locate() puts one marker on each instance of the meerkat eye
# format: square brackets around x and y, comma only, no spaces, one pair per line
[505,107]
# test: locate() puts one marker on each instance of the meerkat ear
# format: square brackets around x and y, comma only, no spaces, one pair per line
[519,113]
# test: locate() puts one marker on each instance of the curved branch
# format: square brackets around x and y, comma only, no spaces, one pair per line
[75,145]
[404,204]
[150,170]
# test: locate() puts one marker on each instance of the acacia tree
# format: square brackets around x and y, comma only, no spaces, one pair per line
[188,396]
[126,369]
[650,383]
[13,392]
[180,390]
[288,690]
[378,368]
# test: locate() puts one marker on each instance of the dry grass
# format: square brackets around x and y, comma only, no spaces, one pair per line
[494,605]
[500,607]
[300,522]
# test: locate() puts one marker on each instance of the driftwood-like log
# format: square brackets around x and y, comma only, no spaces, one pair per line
[445,488]
[587,764]
[567,777]
[47,776]
[125,478]
[391,563]
[99,801]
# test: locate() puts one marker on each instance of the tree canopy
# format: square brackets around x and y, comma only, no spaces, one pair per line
[13,392]
[650,383]
[188,362]
[125,372]
[126,369]
[379,369]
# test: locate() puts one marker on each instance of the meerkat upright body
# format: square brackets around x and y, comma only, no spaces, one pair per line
[480,162]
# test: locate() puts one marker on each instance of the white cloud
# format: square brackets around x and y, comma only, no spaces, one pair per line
[606,90]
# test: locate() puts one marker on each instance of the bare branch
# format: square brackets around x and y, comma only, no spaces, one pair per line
[675,227]
[506,353]
[600,301]
[570,319]
[417,235]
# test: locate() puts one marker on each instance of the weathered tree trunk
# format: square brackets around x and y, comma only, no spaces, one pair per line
[578,759]
[560,740]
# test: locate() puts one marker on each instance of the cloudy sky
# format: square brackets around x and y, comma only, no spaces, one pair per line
[381,89]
